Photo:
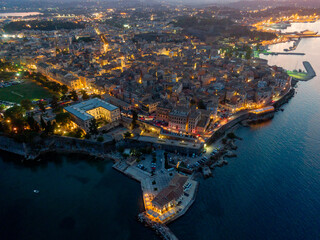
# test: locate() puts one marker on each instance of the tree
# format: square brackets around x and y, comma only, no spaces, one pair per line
[63,118]
[85,95]
[64,89]
[134,119]
[93,127]
[127,134]
[16,115]
[64,97]
[26,104]
[74,95]
[248,53]
[43,123]
[4,127]
[54,103]
[34,126]
[100,139]
[42,106]
[2,107]
[96,96]
[15,112]
[49,129]
[78,133]
[201,105]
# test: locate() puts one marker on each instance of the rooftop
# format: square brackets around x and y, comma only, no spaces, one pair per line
[80,109]
[172,192]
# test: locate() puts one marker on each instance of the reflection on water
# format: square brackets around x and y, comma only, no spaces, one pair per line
[256,126]
[271,190]
[77,199]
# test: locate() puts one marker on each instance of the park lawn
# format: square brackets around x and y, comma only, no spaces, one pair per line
[27,90]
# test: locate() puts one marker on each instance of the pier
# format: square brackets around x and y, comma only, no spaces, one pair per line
[303,76]
[283,53]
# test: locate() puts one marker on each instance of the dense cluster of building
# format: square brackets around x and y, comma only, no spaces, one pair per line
[181,83]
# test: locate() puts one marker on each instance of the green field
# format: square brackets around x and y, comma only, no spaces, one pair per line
[26,90]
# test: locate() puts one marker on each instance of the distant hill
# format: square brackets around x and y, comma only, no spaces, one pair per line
[40,25]
[251,5]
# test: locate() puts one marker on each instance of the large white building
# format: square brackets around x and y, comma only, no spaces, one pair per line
[82,113]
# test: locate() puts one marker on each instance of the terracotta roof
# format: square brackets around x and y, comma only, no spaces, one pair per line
[172,192]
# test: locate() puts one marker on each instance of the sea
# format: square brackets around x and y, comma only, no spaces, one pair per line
[271,190]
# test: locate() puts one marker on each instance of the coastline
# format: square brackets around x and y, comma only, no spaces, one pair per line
[66,144]
[58,145]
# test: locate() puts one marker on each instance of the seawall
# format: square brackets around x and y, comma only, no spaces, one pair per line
[32,151]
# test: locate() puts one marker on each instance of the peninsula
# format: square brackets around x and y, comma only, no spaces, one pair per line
[158,92]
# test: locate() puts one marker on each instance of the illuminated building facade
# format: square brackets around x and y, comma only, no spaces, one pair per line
[83,113]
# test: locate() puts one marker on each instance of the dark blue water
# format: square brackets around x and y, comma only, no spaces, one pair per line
[77,200]
[270,191]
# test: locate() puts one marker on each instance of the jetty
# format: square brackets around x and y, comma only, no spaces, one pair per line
[283,53]
[301,75]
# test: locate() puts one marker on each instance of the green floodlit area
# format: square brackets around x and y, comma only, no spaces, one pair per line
[25,90]
[299,75]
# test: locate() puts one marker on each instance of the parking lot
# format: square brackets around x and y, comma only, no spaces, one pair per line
[152,163]
[194,161]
